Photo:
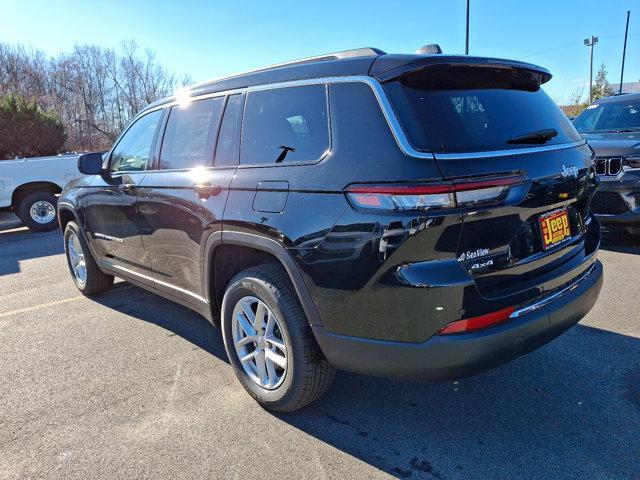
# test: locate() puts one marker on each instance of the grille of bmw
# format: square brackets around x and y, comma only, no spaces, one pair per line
[608,203]
[609,166]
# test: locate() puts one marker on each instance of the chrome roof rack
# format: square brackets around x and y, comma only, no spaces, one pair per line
[355,52]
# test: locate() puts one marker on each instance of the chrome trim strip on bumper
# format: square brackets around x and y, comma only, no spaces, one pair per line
[553,297]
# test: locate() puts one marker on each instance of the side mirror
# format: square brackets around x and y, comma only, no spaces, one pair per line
[90,163]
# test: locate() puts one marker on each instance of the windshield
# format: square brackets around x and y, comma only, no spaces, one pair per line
[609,117]
[473,109]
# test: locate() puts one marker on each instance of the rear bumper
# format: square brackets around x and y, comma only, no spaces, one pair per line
[455,356]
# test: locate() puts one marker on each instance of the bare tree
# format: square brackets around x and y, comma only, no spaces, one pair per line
[576,103]
[94,90]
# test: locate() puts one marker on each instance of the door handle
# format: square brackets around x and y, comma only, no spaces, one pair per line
[206,190]
[126,187]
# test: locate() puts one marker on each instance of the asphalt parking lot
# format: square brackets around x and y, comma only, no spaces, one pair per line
[130,385]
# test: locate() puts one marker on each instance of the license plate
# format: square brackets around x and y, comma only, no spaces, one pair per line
[554,227]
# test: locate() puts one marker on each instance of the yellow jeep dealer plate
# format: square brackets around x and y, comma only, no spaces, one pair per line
[554,227]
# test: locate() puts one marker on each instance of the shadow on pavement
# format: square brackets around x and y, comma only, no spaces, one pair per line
[20,244]
[620,242]
[568,410]
[551,414]
[175,318]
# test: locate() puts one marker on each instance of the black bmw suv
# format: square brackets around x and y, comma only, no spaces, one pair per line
[420,216]
[612,127]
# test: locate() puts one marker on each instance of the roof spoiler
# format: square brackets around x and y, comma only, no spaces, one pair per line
[387,68]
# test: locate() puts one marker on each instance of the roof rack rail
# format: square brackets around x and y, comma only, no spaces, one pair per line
[353,53]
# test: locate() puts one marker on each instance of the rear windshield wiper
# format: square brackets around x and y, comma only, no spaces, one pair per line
[537,137]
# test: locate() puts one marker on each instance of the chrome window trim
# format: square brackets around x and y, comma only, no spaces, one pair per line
[511,151]
[381,97]
[396,128]
[388,112]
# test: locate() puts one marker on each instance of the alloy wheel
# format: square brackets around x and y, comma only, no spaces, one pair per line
[76,258]
[259,342]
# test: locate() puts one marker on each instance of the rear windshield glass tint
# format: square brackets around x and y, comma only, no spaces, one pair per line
[471,109]
[609,117]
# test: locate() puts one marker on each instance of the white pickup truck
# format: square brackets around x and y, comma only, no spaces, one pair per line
[30,187]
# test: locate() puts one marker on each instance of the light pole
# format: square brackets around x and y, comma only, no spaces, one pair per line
[466,44]
[590,43]
[624,50]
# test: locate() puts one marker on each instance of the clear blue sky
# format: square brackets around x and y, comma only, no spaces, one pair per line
[208,39]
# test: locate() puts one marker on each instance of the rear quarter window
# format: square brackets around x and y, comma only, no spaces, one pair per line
[285,125]
[446,109]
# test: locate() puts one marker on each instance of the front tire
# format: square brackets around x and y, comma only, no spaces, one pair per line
[86,274]
[269,342]
[37,210]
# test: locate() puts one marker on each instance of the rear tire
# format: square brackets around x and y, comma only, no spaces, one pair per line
[37,211]
[86,274]
[300,373]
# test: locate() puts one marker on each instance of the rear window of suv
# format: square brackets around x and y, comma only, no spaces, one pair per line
[457,109]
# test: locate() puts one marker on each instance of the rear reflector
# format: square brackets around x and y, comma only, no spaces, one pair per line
[477,323]
[441,195]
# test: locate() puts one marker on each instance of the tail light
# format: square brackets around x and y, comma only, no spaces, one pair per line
[477,323]
[432,196]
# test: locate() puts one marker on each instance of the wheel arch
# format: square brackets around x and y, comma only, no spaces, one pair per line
[29,187]
[65,215]
[256,250]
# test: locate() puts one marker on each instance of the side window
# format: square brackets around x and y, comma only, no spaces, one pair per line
[285,125]
[132,152]
[190,134]
[227,149]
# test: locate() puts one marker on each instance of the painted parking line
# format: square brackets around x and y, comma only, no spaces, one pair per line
[42,305]
[12,228]
[33,308]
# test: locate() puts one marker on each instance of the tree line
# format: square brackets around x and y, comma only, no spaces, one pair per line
[578,101]
[75,101]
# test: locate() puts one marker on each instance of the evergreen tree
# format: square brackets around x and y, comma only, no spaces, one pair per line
[28,131]
[601,87]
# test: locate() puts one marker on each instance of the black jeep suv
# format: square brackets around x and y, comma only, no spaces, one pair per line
[421,216]
[612,127]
